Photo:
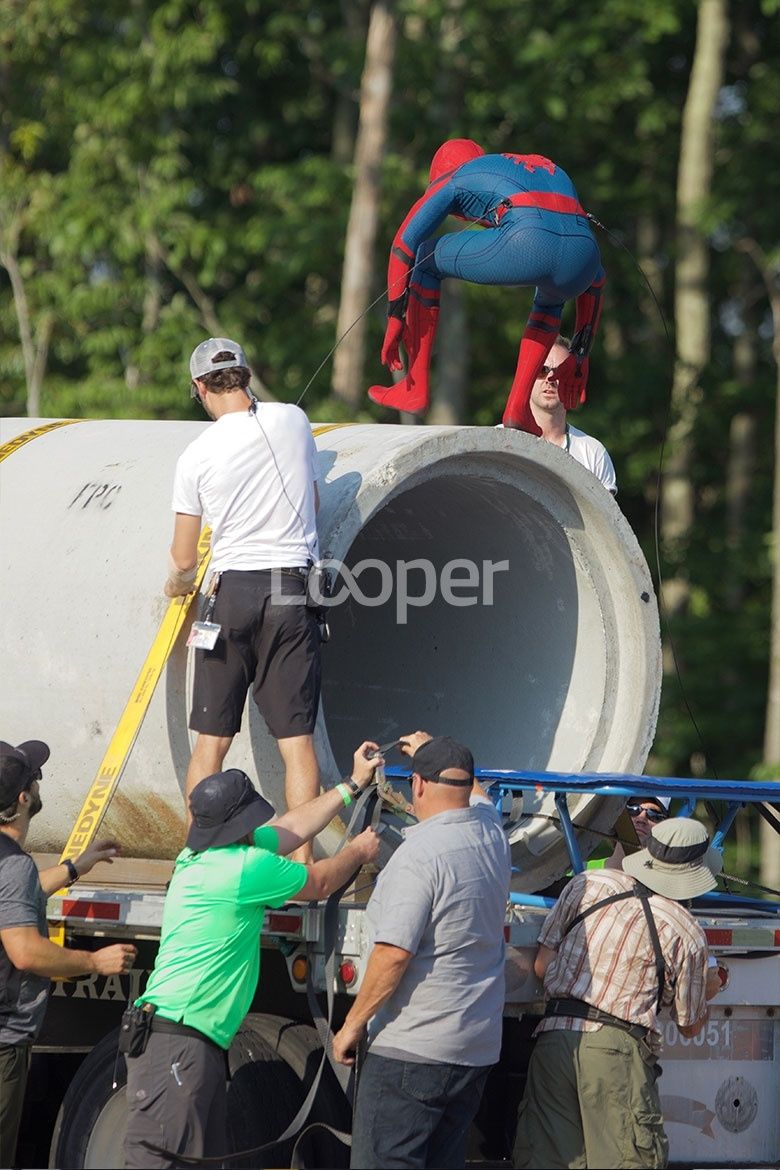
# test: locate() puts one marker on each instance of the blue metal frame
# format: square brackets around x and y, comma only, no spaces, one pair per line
[572,844]
[735,793]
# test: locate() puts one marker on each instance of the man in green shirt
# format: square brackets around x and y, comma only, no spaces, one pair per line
[233,865]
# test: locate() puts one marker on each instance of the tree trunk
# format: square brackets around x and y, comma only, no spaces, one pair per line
[648,243]
[151,306]
[448,389]
[452,363]
[35,346]
[769,840]
[345,108]
[358,270]
[741,463]
[691,305]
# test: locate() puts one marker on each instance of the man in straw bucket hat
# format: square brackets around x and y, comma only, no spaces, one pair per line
[616,948]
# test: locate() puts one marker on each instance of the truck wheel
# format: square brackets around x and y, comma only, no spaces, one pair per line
[272,1061]
[91,1123]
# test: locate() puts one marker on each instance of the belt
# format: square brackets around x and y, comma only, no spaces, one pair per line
[578,1009]
[544,200]
[161,1024]
[296,570]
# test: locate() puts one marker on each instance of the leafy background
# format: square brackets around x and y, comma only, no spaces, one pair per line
[178,167]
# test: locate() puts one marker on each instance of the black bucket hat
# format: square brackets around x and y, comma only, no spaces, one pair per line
[225,807]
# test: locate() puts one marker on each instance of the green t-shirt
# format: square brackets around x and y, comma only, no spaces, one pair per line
[208,963]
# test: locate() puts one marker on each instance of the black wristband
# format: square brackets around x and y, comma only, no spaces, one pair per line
[397,307]
[353,786]
[73,873]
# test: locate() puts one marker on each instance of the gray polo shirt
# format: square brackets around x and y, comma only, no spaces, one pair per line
[443,897]
[23,996]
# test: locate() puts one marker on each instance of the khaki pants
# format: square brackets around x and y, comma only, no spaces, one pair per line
[14,1066]
[590,1102]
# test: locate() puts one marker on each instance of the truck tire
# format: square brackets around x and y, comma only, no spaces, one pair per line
[90,1126]
[275,1060]
[272,1060]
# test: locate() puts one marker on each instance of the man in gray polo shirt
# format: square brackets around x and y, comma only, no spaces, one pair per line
[433,992]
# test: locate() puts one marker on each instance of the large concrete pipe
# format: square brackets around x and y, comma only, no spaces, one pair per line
[551,659]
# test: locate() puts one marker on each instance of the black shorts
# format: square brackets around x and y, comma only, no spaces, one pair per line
[270,646]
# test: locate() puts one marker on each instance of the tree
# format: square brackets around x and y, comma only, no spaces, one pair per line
[358,271]
[769,268]
[34,330]
[692,295]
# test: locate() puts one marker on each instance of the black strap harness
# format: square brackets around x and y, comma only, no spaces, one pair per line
[579,1009]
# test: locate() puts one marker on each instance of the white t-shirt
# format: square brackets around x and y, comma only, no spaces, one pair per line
[593,455]
[590,453]
[254,487]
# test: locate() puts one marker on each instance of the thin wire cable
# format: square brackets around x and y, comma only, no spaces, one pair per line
[656,507]
[401,279]
[254,410]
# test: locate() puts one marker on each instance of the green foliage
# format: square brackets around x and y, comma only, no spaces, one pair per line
[169,168]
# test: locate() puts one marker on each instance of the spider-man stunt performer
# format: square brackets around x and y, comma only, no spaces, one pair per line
[537,233]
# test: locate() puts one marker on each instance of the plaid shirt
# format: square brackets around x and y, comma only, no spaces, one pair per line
[608,959]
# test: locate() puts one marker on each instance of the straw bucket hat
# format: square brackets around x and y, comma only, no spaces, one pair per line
[677,861]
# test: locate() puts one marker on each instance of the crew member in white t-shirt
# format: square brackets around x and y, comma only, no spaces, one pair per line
[550,414]
[252,478]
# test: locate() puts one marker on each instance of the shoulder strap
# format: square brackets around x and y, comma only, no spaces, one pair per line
[597,906]
[643,894]
[660,966]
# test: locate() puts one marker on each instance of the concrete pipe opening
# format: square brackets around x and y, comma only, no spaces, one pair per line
[492,590]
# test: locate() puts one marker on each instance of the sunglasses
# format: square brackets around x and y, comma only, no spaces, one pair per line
[652,814]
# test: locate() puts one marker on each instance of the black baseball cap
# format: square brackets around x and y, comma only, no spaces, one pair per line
[439,755]
[33,754]
[225,807]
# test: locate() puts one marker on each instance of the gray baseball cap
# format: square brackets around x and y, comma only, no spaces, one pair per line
[202,360]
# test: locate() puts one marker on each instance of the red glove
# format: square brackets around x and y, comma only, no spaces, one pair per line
[572,381]
[393,335]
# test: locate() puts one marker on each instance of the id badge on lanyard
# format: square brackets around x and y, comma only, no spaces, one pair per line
[203,635]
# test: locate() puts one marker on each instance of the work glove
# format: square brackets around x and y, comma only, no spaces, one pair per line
[180,581]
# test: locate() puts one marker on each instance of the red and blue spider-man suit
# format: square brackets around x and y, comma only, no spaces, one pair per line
[536,234]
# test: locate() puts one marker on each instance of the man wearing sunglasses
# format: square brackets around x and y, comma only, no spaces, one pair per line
[550,414]
[645,812]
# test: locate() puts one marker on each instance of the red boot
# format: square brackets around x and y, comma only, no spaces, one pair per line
[573,373]
[412,393]
[536,344]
